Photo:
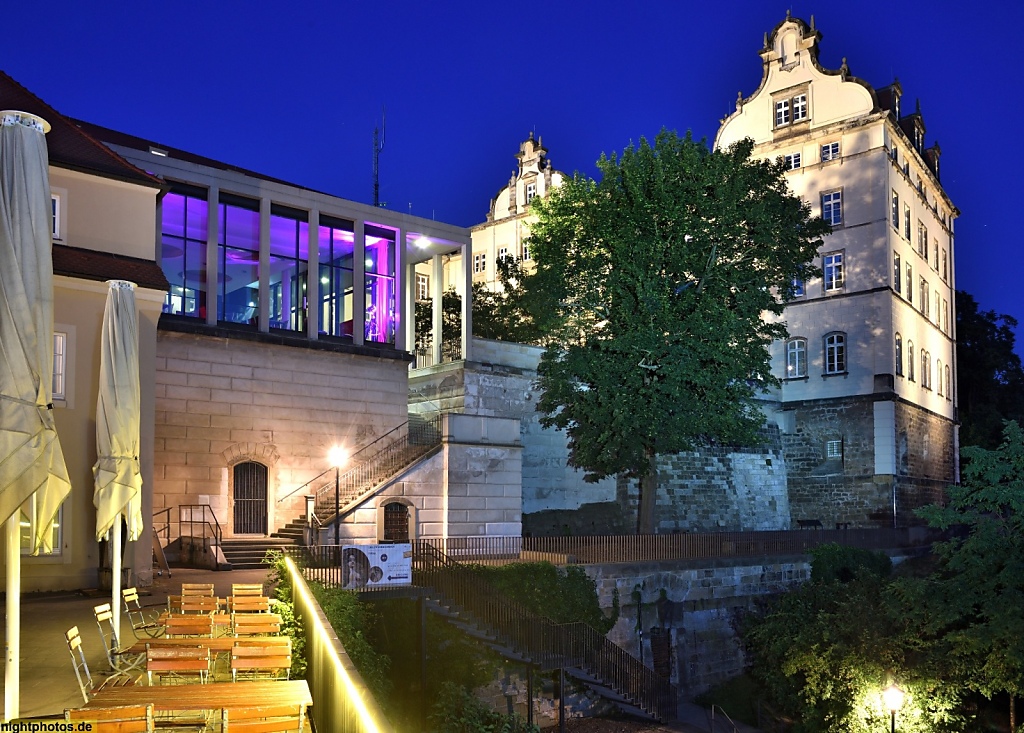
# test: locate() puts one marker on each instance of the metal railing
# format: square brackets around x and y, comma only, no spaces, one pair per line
[424,356]
[207,522]
[409,442]
[341,699]
[577,648]
[719,720]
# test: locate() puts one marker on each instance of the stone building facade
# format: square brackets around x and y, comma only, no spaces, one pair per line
[867,407]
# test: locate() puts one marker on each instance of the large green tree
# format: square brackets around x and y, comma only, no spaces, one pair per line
[990,378]
[512,311]
[974,603]
[663,272]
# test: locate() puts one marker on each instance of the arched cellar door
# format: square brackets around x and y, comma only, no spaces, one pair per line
[396,522]
[250,481]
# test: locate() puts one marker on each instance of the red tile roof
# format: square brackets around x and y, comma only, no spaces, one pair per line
[69,146]
[92,265]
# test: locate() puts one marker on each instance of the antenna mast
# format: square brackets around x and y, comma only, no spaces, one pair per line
[378,147]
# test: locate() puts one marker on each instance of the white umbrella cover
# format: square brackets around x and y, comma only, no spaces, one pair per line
[31,461]
[118,489]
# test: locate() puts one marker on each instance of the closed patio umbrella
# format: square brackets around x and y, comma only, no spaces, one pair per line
[33,476]
[118,489]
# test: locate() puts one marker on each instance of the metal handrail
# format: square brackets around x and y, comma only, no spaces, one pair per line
[576,647]
[358,456]
[712,721]
[420,437]
[191,521]
[166,531]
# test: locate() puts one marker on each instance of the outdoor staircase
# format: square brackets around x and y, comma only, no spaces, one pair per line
[375,466]
[582,652]
[247,554]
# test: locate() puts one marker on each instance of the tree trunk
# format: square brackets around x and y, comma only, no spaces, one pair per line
[648,495]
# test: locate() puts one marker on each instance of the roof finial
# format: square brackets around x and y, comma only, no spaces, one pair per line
[789,13]
[766,39]
[739,100]
[844,70]
[812,23]
[919,106]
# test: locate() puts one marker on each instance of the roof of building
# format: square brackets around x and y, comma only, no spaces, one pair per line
[89,264]
[69,146]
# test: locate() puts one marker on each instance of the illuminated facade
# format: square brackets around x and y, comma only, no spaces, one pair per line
[868,401]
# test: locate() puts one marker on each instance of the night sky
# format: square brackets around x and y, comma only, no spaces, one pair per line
[294,90]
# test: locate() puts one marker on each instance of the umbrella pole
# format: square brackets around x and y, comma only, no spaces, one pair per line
[12,668]
[115,578]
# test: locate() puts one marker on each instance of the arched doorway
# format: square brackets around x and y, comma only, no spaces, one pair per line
[396,522]
[250,498]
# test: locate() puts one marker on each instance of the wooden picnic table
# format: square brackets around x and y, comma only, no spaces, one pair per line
[212,696]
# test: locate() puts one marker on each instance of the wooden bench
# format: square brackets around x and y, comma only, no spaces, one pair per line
[261,660]
[178,664]
[118,719]
[264,719]
[809,524]
[255,624]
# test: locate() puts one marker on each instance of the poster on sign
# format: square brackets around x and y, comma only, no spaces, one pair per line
[365,566]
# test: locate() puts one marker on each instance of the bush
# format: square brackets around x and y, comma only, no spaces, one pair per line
[457,711]
[834,563]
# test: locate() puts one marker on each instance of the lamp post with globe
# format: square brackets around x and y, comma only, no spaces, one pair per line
[893,697]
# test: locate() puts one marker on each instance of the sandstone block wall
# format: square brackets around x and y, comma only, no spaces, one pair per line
[221,401]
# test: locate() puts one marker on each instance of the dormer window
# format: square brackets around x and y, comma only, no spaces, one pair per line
[531,191]
[896,103]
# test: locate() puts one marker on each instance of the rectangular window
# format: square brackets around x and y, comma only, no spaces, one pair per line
[502,253]
[834,272]
[55,213]
[835,353]
[834,449]
[945,316]
[897,274]
[924,304]
[336,245]
[479,263]
[531,191]
[526,252]
[829,151]
[422,287]
[289,268]
[910,284]
[922,240]
[238,256]
[945,267]
[906,222]
[910,360]
[56,535]
[938,309]
[184,223]
[380,250]
[832,207]
[796,358]
[782,113]
[799,107]
[899,355]
[895,210]
[60,364]
[798,288]
[793,161]
[935,255]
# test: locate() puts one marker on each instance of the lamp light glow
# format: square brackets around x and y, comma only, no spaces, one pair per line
[337,456]
[423,242]
[893,697]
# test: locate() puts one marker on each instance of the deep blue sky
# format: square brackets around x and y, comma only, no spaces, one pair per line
[293,90]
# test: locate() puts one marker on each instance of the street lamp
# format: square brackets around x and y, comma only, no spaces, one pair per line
[337,456]
[893,697]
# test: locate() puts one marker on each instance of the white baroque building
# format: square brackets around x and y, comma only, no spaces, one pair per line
[868,401]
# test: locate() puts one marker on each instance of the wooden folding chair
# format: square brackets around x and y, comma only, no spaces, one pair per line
[119,658]
[268,719]
[249,604]
[176,665]
[246,589]
[144,620]
[119,719]
[188,624]
[197,589]
[85,681]
[200,604]
[260,661]
[255,624]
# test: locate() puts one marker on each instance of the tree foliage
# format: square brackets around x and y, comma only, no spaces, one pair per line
[662,273]
[513,311]
[990,378]
[825,651]
[451,324]
[974,604]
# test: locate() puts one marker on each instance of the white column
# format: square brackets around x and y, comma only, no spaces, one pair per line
[401,290]
[467,301]
[264,299]
[12,667]
[313,277]
[436,293]
[212,264]
[359,283]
